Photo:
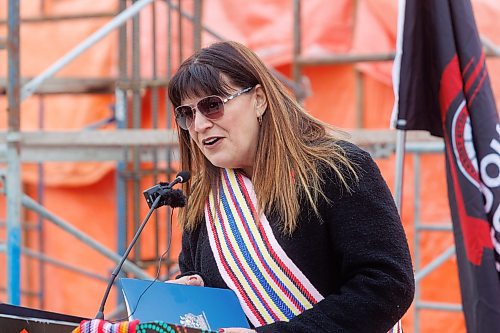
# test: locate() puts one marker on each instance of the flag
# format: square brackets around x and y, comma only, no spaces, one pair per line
[441,85]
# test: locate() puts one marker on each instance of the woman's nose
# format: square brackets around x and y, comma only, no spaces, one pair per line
[200,122]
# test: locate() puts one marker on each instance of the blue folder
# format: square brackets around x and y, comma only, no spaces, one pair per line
[197,307]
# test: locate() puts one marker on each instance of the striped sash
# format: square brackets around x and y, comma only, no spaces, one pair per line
[269,286]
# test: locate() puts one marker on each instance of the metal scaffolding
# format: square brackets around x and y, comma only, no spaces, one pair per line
[130,145]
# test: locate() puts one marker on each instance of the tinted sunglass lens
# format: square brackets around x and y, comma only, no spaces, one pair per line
[184,116]
[211,107]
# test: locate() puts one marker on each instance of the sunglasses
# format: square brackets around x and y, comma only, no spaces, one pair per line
[211,107]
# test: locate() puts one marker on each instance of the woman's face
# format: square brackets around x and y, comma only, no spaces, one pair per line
[231,140]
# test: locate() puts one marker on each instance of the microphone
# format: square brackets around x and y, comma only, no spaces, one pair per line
[181,177]
[173,199]
[159,195]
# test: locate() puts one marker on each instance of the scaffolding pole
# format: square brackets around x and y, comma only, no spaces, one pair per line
[13,183]
[128,266]
[120,19]
[297,38]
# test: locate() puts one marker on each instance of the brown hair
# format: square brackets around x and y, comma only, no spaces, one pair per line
[297,146]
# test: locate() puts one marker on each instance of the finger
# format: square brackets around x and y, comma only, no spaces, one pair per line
[195,280]
[190,280]
[182,280]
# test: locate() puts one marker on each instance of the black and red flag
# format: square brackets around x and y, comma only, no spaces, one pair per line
[442,86]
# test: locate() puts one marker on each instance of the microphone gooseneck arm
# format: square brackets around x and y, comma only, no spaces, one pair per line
[100,313]
[156,196]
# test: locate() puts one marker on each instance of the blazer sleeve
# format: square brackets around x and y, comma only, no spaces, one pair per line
[186,256]
[374,264]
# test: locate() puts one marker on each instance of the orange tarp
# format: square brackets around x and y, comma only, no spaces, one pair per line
[84,193]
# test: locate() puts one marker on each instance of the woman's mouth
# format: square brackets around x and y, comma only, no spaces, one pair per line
[210,141]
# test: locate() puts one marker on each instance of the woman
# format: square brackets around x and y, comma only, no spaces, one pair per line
[298,223]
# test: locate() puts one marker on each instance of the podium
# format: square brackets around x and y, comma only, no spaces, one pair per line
[15,319]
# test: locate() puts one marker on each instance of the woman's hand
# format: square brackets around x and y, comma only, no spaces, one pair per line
[190,280]
[236,330]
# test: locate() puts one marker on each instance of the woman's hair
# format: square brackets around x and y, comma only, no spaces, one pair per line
[293,147]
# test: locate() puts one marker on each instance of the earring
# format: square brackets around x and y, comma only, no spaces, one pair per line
[259,119]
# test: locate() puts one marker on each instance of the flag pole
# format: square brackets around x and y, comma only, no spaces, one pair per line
[400,124]
[400,157]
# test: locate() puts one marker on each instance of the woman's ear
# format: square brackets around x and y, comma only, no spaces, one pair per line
[260,101]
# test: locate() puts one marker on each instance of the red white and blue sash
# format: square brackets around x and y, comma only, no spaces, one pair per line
[269,286]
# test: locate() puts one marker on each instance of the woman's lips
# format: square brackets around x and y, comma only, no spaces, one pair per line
[211,141]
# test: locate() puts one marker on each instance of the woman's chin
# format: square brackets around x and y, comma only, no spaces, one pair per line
[223,164]
[220,164]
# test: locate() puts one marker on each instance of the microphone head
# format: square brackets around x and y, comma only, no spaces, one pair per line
[184,176]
